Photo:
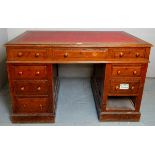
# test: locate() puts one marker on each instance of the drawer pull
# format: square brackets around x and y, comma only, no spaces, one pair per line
[37,55]
[37,73]
[121,54]
[22,88]
[20,73]
[39,88]
[20,54]
[134,72]
[132,88]
[41,107]
[66,55]
[118,72]
[94,54]
[137,54]
[117,87]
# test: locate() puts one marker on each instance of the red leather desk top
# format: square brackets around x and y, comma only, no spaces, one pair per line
[101,38]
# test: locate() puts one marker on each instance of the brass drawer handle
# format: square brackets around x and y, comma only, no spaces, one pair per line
[22,88]
[20,73]
[37,73]
[20,54]
[137,54]
[37,55]
[39,88]
[117,87]
[66,55]
[134,72]
[118,72]
[121,54]
[132,88]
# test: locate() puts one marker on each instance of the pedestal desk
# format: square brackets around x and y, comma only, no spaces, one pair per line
[120,64]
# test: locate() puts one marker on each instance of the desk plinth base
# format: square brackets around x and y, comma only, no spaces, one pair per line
[119,116]
[33,119]
[116,116]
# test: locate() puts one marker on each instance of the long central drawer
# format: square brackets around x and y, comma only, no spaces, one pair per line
[66,53]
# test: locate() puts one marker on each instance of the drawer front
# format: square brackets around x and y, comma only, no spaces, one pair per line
[124,87]
[67,53]
[32,105]
[129,71]
[26,54]
[30,72]
[135,53]
[31,87]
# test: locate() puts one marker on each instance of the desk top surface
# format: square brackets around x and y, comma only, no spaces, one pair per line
[79,38]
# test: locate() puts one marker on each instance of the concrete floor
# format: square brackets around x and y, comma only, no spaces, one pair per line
[76,105]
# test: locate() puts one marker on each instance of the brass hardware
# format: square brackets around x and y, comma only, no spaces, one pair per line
[66,55]
[20,54]
[118,72]
[41,107]
[39,88]
[37,73]
[137,54]
[20,73]
[94,54]
[134,72]
[22,88]
[132,87]
[117,87]
[37,54]
[121,54]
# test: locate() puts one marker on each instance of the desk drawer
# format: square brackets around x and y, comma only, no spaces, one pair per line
[31,105]
[135,53]
[30,72]
[26,54]
[125,86]
[67,53]
[126,70]
[31,87]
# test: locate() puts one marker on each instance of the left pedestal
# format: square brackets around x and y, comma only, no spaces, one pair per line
[33,89]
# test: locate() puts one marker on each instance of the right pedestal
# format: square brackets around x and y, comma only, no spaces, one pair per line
[117,90]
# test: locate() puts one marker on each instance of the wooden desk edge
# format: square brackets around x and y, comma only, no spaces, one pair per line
[82,44]
[78,62]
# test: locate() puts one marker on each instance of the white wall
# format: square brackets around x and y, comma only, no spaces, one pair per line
[3,40]
[144,33]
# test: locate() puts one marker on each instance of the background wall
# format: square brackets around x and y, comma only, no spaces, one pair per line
[3,40]
[85,70]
